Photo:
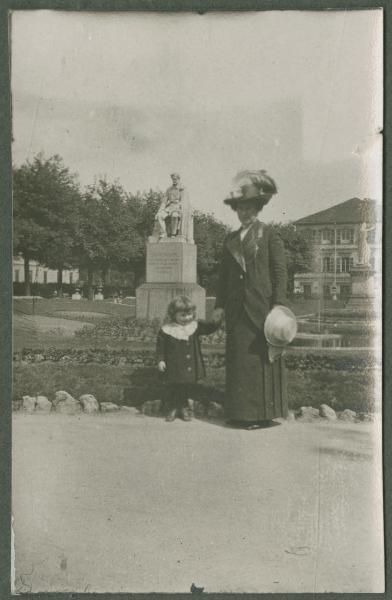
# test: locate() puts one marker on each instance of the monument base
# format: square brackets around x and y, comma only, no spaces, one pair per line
[152,299]
[171,261]
[362,287]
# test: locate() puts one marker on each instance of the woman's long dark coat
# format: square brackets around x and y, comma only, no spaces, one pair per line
[253,278]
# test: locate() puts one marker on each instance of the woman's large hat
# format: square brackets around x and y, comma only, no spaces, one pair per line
[251,185]
[280,328]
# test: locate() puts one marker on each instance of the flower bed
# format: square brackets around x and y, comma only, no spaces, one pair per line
[135,330]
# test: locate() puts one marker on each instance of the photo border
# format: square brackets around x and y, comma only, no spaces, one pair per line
[200,7]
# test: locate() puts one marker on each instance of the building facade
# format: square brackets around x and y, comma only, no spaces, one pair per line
[40,274]
[334,236]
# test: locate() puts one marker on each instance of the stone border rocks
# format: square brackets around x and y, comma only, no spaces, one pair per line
[64,403]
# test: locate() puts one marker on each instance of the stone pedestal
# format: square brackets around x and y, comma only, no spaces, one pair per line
[171,262]
[170,272]
[362,286]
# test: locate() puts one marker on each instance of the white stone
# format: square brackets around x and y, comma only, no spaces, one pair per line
[66,404]
[28,404]
[348,415]
[89,403]
[308,413]
[327,412]
[43,405]
[109,407]
[132,410]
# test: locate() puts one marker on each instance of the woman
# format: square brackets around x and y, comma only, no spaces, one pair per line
[253,278]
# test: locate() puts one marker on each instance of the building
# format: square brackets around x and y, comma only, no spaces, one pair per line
[334,235]
[40,274]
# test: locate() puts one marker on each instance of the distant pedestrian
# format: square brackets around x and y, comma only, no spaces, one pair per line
[179,355]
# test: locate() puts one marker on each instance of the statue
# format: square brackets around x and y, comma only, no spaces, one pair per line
[363,245]
[174,218]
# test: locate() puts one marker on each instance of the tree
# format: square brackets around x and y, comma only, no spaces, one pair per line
[45,199]
[209,235]
[298,250]
[108,233]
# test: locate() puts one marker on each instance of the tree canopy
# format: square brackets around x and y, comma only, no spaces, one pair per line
[45,204]
[298,249]
[103,229]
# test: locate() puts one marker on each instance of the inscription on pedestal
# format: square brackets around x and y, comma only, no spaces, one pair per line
[166,267]
[171,262]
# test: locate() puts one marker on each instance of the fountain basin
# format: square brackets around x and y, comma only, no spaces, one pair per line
[318,340]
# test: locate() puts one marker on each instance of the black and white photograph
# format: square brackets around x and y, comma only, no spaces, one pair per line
[197,301]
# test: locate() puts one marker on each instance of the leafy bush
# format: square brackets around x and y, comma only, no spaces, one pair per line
[339,389]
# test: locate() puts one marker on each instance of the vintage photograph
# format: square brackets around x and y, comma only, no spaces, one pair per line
[197,295]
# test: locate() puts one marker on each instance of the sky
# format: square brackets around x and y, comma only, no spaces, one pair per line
[135,96]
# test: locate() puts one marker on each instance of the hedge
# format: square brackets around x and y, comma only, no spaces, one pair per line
[133,385]
[335,360]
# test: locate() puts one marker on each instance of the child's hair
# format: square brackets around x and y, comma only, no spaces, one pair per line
[180,304]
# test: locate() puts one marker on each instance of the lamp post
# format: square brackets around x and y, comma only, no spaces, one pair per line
[334,287]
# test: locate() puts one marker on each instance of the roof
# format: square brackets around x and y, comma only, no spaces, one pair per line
[350,211]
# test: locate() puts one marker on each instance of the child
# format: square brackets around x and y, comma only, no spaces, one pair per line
[179,355]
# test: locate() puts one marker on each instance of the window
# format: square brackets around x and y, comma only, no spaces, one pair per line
[371,236]
[328,236]
[45,277]
[345,264]
[345,236]
[328,264]
[31,276]
[17,275]
[338,264]
[316,236]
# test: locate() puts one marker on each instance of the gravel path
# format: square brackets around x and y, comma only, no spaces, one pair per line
[125,503]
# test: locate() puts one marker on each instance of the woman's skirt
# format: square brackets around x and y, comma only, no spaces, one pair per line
[255,387]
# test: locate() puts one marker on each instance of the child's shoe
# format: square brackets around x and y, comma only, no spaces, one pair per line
[171,415]
[186,414]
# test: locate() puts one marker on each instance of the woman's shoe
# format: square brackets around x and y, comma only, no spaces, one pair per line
[261,425]
[252,426]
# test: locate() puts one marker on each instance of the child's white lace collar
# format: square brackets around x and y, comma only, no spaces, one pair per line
[180,332]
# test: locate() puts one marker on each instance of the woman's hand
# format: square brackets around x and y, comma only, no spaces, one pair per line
[217,315]
[162,366]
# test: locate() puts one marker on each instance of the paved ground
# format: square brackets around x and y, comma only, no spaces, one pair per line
[134,504]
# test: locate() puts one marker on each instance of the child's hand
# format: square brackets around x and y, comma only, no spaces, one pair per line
[162,366]
[217,315]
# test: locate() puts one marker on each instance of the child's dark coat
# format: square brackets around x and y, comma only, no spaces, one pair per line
[183,358]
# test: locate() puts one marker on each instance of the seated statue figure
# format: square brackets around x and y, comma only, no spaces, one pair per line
[175,216]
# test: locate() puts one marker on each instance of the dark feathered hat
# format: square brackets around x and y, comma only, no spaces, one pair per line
[252,185]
